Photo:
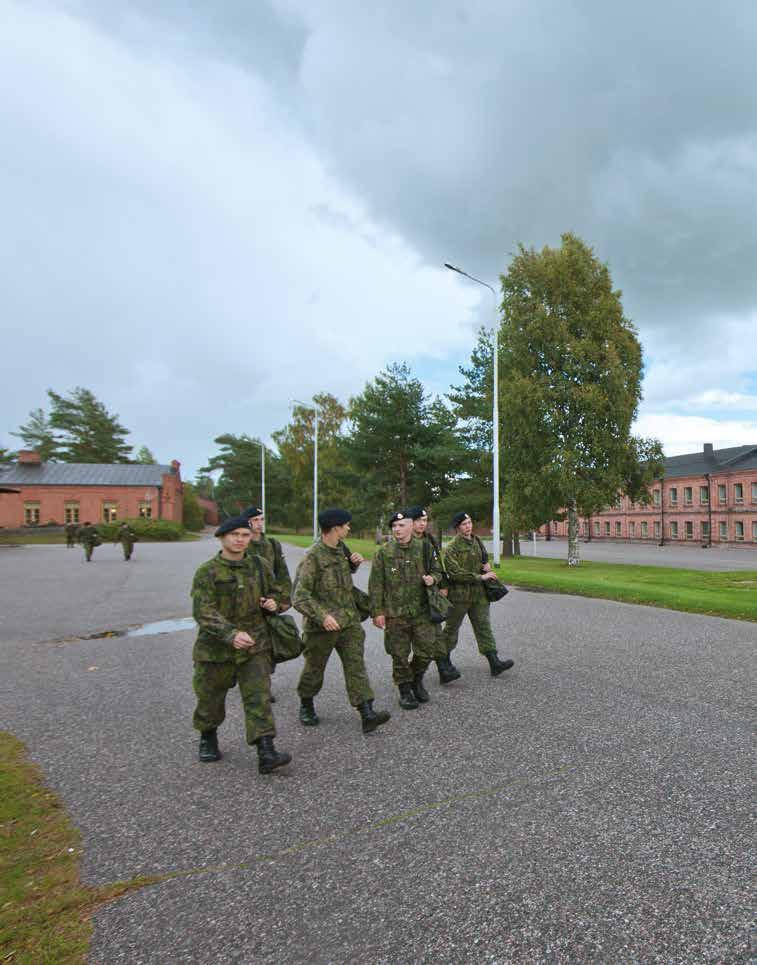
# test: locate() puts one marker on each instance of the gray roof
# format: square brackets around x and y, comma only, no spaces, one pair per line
[83,474]
[719,460]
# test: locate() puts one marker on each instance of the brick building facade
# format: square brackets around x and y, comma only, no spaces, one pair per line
[65,492]
[705,497]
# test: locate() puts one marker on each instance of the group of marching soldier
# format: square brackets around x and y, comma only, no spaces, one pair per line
[247,582]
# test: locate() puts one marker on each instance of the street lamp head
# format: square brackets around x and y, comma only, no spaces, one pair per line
[452,268]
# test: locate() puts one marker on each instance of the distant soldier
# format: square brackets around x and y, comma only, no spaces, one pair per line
[89,539]
[71,533]
[233,644]
[127,538]
[324,595]
[399,607]
[447,673]
[467,570]
[270,550]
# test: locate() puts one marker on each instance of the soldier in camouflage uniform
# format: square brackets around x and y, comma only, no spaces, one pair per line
[89,539]
[270,550]
[233,644]
[71,532]
[464,562]
[447,673]
[127,538]
[324,595]
[399,606]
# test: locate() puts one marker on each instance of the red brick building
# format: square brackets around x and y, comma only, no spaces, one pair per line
[706,497]
[66,492]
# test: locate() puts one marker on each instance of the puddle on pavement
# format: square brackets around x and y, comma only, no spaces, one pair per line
[146,629]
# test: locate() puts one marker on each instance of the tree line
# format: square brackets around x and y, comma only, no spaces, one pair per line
[570,371]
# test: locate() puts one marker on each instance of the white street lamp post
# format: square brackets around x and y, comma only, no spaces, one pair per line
[495,414]
[314,409]
[262,477]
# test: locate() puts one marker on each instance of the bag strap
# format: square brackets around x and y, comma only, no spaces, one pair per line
[426,557]
[261,572]
[484,554]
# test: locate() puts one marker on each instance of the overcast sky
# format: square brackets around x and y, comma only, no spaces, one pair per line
[209,209]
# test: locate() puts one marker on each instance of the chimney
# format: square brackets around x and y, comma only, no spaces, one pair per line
[27,457]
[708,450]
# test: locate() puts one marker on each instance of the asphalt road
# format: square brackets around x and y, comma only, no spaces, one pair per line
[591,805]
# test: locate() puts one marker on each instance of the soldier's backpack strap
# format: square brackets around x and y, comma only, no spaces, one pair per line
[426,557]
[484,554]
[278,552]
[261,572]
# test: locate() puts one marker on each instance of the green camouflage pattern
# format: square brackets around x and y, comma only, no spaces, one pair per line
[72,532]
[323,586]
[463,560]
[226,599]
[395,585]
[480,620]
[212,681]
[434,552]
[127,538]
[410,635]
[270,550]
[319,645]
[88,534]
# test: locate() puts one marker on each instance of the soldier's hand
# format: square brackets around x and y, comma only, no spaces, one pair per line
[329,623]
[486,567]
[356,559]
[444,592]
[427,579]
[268,603]
[490,575]
[380,621]
[242,641]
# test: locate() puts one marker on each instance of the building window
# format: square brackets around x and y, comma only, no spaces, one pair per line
[739,531]
[721,494]
[688,495]
[674,530]
[754,492]
[644,529]
[31,514]
[617,527]
[145,510]
[596,527]
[656,497]
[71,511]
[705,530]
[607,528]
[723,530]
[110,512]
[704,495]
[631,534]
[738,492]
[657,529]
[689,529]
[754,531]
[674,496]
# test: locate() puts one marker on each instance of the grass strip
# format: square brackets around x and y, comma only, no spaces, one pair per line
[724,594]
[44,908]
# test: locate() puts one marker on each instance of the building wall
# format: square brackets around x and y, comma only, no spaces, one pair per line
[626,520]
[209,510]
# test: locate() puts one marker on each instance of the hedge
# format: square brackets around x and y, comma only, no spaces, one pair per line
[164,530]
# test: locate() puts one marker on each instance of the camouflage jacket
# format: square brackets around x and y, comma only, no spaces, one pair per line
[270,550]
[433,551]
[88,534]
[463,560]
[127,535]
[323,586]
[226,599]
[396,586]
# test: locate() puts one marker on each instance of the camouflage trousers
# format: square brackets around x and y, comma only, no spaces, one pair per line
[128,549]
[89,549]
[212,681]
[479,618]
[348,643]
[406,635]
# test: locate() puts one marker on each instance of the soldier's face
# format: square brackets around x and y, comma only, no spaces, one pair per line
[402,530]
[465,528]
[257,524]
[419,525]
[236,541]
[342,531]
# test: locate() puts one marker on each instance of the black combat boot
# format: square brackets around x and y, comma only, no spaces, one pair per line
[308,716]
[447,671]
[496,665]
[421,694]
[408,700]
[372,718]
[209,746]
[268,757]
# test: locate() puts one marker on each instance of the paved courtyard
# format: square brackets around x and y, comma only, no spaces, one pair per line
[591,805]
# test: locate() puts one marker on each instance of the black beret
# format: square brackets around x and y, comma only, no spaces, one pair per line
[459,518]
[253,511]
[233,522]
[328,518]
[400,514]
[417,512]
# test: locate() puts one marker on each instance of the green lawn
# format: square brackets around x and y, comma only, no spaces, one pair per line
[366,547]
[44,908]
[732,594]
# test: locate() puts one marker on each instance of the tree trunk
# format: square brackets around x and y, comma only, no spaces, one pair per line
[507,542]
[516,544]
[573,551]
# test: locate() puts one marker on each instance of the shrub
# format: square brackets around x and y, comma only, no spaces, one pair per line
[159,530]
[193,518]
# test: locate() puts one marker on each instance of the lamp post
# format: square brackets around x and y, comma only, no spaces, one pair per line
[314,409]
[495,414]
[262,477]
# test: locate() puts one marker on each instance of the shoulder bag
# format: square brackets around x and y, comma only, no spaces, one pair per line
[286,641]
